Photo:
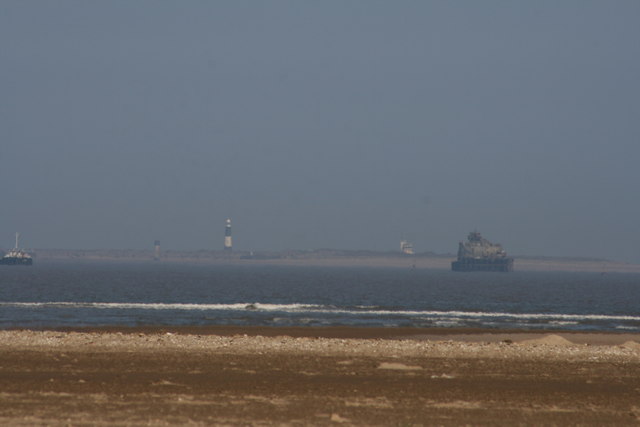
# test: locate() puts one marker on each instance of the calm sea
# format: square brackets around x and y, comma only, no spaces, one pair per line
[53,294]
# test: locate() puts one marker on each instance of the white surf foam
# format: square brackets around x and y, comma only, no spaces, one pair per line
[162,306]
[321,309]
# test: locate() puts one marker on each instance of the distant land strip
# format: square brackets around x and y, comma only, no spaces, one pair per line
[328,258]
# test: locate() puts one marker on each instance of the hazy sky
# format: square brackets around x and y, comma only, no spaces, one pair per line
[344,124]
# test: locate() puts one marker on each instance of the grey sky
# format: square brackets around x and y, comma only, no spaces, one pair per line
[337,124]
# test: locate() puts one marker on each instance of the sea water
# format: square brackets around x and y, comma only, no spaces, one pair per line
[53,294]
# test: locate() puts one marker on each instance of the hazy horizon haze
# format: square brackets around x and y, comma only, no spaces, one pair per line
[345,125]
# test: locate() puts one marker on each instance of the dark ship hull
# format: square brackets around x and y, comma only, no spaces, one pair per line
[483,264]
[16,261]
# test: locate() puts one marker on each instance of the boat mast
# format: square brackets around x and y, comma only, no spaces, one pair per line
[17,238]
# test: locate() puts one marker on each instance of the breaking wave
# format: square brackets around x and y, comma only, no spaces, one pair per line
[356,311]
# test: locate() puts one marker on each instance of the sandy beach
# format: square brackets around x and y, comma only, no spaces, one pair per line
[317,376]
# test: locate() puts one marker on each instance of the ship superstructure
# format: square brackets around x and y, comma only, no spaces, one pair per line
[16,256]
[479,254]
[406,247]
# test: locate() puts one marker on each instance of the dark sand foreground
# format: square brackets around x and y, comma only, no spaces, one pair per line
[308,376]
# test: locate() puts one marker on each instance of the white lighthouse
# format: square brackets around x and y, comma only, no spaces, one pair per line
[227,236]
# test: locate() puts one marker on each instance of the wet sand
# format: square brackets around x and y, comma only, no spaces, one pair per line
[317,376]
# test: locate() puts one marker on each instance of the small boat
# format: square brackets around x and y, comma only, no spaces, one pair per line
[17,256]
